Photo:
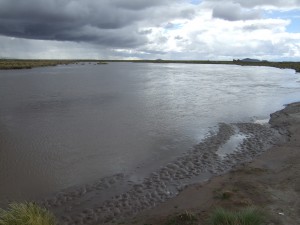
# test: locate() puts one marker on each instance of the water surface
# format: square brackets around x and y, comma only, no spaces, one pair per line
[67,125]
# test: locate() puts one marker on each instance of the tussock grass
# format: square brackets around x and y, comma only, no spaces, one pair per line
[247,216]
[26,214]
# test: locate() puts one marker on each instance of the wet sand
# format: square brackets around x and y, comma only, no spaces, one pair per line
[271,182]
[191,181]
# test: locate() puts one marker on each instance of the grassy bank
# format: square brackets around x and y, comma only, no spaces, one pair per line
[281,65]
[28,64]
[220,216]
[26,214]
[32,214]
[9,64]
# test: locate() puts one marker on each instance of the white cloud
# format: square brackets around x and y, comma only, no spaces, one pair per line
[262,4]
[210,38]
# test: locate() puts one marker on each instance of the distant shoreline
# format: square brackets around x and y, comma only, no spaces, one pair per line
[16,64]
[8,64]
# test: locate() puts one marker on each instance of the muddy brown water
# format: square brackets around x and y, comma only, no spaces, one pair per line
[71,125]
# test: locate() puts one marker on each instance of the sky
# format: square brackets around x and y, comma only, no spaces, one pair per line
[156,29]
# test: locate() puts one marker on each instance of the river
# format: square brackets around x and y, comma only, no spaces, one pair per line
[69,125]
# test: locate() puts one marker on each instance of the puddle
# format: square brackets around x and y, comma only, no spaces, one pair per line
[231,145]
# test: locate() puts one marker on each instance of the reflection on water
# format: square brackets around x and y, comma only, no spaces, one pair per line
[67,125]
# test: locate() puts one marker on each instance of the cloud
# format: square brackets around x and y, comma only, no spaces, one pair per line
[251,4]
[107,22]
[137,4]
[145,31]
[35,49]
[178,37]
[181,29]
[231,11]
[272,3]
[208,38]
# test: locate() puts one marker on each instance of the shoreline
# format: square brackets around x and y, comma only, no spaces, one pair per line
[167,190]
[249,163]
[20,64]
[271,182]
[11,64]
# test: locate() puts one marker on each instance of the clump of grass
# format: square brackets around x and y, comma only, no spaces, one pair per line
[26,214]
[247,216]
[186,218]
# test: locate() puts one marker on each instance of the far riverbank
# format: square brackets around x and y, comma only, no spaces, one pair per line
[6,64]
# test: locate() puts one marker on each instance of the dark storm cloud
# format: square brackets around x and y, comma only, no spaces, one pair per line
[145,31]
[137,4]
[106,22]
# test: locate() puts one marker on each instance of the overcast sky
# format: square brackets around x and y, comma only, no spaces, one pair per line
[150,29]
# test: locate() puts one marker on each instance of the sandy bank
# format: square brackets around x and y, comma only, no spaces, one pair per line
[271,181]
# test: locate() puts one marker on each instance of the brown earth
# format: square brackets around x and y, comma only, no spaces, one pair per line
[271,182]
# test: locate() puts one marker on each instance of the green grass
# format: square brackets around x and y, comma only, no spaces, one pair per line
[26,214]
[28,64]
[247,216]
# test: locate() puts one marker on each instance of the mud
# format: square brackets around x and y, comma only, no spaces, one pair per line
[117,197]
